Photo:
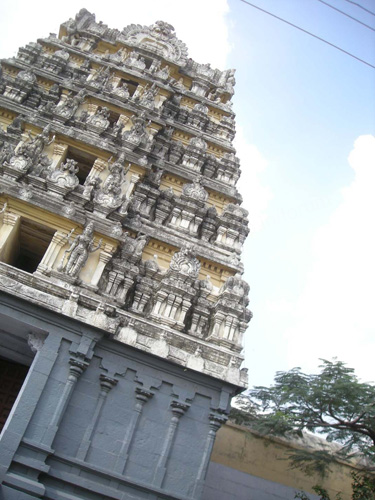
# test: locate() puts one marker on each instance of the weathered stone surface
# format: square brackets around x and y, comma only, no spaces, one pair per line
[121,234]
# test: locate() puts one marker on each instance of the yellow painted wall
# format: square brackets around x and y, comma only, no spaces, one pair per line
[244,450]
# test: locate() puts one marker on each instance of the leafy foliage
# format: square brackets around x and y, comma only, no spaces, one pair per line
[363,486]
[319,491]
[363,489]
[333,402]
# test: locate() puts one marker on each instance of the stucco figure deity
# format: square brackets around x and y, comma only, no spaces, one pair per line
[177,84]
[65,175]
[33,147]
[110,194]
[138,131]
[237,287]
[122,91]
[139,244]
[29,151]
[69,106]
[100,119]
[100,78]
[6,152]
[135,60]
[80,250]
[148,97]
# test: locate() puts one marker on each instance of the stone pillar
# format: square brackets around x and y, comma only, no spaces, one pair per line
[9,235]
[58,155]
[76,368]
[220,234]
[97,168]
[59,239]
[133,181]
[106,384]
[104,257]
[168,308]
[159,299]
[216,421]
[142,396]
[178,409]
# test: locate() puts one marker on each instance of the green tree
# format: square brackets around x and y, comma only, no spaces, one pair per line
[333,403]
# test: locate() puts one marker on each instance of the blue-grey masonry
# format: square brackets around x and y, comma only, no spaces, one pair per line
[224,483]
[97,419]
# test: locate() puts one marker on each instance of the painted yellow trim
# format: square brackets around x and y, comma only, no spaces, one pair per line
[49,219]
[6,117]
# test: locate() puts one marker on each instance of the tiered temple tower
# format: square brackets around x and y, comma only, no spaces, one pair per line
[120,239]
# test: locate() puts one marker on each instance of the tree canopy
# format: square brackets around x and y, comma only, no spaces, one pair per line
[333,403]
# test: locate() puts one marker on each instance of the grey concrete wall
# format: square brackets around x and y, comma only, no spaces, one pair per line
[224,483]
[97,419]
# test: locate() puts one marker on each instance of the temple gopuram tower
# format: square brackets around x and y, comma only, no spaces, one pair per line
[122,306]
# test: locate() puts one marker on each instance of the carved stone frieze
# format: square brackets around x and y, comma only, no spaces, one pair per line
[166,124]
[158,38]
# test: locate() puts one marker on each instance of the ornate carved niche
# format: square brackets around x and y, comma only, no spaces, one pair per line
[146,283]
[164,206]
[146,193]
[56,62]
[230,315]
[232,227]
[226,128]
[209,225]
[198,117]
[171,106]
[198,319]
[176,152]
[190,207]
[175,293]
[195,154]
[158,38]
[21,87]
[228,169]
[210,166]
[123,269]
[30,53]
[162,142]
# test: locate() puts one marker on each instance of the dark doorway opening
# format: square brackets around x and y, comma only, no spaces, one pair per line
[12,376]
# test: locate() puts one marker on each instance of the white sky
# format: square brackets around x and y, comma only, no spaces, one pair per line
[305,115]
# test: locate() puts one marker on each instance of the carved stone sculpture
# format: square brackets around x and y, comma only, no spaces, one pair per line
[109,196]
[137,135]
[29,153]
[79,251]
[99,121]
[122,92]
[64,179]
[66,108]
